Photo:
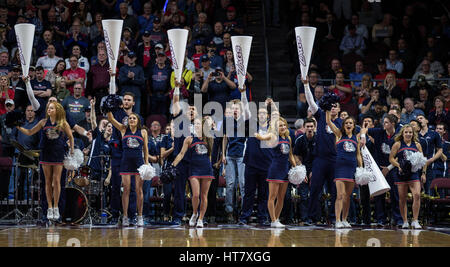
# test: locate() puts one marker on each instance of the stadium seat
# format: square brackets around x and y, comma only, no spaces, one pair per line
[440,205]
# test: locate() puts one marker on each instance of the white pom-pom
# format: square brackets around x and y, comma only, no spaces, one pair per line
[297,174]
[147,172]
[73,162]
[363,176]
[417,159]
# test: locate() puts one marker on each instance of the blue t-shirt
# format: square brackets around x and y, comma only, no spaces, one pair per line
[325,145]
[160,79]
[255,155]
[236,136]
[44,85]
[166,143]
[430,143]
[219,92]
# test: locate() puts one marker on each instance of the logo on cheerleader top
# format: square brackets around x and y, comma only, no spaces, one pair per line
[132,142]
[52,133]
[108,45]
[201,149]
[385,148]
[22,58]
[328,129]
[301,53]
[284,148]
[349,147]
[172,55]
[239,61]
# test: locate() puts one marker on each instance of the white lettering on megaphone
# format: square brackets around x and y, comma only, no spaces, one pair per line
[172,55]
[22,58]
[108,45]
[240,61]
[368,165]
[301,53]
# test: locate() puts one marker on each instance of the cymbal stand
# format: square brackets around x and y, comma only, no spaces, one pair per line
[17,213]
[31,187]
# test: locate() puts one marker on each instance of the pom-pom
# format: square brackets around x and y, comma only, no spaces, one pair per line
[14,118]
[73,162]
[168,174]
[363,176]
[417,159]
[328,100]
[147,172]
[112,103]
[297,174]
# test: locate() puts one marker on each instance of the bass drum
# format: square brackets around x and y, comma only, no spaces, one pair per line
[76,206]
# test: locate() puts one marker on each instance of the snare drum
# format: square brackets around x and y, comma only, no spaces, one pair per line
[76,206]
[83,176]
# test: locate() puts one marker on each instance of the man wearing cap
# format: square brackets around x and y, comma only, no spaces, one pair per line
[144,53]
[382,71]
[83,62]
[157,34]
[18,86]
[127,38]
[199,52]
[49,61]
[232,24]
[160,85]
[216,60]
[131,79]
[206,65]
[425,72]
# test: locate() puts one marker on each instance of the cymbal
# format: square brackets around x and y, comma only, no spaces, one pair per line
[32,153]
[17,145]
[31,166]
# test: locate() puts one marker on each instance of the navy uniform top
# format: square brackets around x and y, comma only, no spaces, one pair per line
[255,155]
[167,142]
[383,145]
[51,137]
[439,164]
[178,129]
[325,145]
[132,144]
[304,148]
[200,164]
[122,117]
[346,149]
[430,142]
[403,152]
[154,144]
[279,166]
[100,147]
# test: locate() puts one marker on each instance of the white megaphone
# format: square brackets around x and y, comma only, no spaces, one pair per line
[378,185]
[25,36]
[241,52]
[112,30]
[177,44]
[305,42]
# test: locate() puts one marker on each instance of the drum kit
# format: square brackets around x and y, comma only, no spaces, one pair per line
[82,193]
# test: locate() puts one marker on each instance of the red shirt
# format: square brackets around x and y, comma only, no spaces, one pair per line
[343,96]
[3,99]
[196,59]
[74,74]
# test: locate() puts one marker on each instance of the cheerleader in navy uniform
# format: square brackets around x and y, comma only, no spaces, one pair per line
[277,175]
[135,154]
[407,141]
[198,148]
[53,140]
[348,156]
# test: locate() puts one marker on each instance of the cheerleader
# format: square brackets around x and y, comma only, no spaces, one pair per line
[53,140]
[135,154]
[407,141]
[347,157]
[199,148]
[277,175]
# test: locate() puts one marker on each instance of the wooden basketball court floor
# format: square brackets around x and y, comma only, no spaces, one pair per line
[219,236]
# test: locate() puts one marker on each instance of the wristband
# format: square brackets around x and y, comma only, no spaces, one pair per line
[85,133]
[390,167]
[363,135]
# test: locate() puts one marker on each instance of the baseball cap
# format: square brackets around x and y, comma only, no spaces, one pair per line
[231,8]
[146,33]
[131,54]
[161,54]
[381,61]
[198,42]
[219,69]
[159,46]
[204,58]
[157,20]
[16,68]
[128,29]
[9,102]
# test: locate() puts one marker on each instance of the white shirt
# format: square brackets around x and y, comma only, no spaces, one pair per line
[47,62]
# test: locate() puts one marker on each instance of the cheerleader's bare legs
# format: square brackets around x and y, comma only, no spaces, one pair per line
[126,183]
[277,191]
[200,189]
[402,203]
[348,192]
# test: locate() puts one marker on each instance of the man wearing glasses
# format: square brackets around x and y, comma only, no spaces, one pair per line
[74,74]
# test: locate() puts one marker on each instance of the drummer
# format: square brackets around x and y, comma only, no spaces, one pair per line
[28,143]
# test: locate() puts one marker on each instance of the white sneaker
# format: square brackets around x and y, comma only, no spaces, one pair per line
[277,224]
[140,221]
[193,219]
[405,225]
[199,223]
[416,225]
[339,225]
[50,214]
[56,214]
[125,221]
[346,224]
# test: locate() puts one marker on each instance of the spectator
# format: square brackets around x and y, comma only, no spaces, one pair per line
[369,103]
[157,35]
[381,71]
[61,11]
[30,13]
[331,31]
[408,31]
[202,30]
[58,29]
[393,63]
[232,24]
[379,109]
[77,104]
[226,44]
[82,12]
[42,89]
[76,37]
[217,36]
[434,46]
[74,74]
[172,9]
[229,65]
[445,92]
[17,85]
[446,74]
[363,92]
[83,62]
[383,32]
[439,114]
[6,94]
[4,63]
[206,65]
[358,74]
[335,67]
[361,29]
[146,19]
[160,85]
[49,61]
[424,101]
[131,79]
[98,79]
[60,90]
[391,88]
[409,112]
[129,21]
[435,66]
[353,42]
[302,104]
[343,90]
[96,29]
[128,39]
[56,73]
[199,52]
[217,86]
[145,55]
[100,46]
[406,56]
[425,71]
[46,40]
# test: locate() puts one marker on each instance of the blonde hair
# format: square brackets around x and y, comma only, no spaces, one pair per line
[385,79]
[399,136]
[367,76]
[60,115]
[273,127]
